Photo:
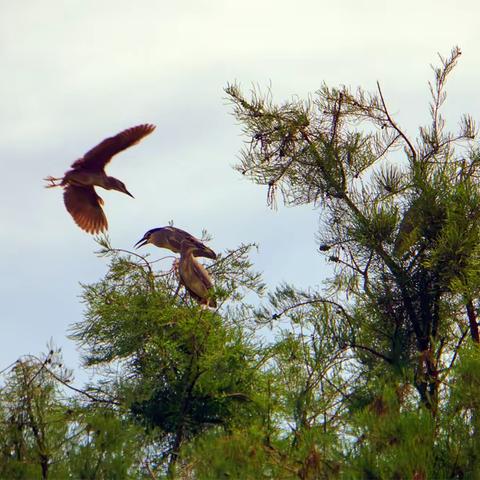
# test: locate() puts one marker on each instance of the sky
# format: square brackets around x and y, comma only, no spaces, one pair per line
[77,71]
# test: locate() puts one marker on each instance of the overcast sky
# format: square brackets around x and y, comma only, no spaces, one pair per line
[74,72]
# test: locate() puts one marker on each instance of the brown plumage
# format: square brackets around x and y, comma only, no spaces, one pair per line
[194,277]
[172,238]
[81,200]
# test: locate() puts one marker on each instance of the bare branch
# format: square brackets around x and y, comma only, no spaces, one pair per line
[394,125]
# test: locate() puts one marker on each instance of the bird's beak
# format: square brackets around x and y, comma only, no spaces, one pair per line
[141,243]
[128,193]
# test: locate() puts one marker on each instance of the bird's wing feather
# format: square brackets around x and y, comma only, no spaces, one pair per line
[178,236]
[84,205]
[197,281]
[202,275]
[100,155]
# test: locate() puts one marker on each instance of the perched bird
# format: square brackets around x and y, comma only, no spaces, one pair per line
[194,277]
[172,238]
[81,200]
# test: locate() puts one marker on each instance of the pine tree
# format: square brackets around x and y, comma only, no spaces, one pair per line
[401,224]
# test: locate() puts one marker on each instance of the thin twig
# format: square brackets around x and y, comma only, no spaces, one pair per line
[394,125]
[150,471]
[455,354]
[372,351]
[83,392]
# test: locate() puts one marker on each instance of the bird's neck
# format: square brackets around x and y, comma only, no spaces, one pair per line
[104,181]
[109,183]
[187,252]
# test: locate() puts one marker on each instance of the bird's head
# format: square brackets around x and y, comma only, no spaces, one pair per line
[208,253]
[147,238]
[115,184]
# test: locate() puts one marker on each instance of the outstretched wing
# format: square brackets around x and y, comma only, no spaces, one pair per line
[84,205]
[99,156]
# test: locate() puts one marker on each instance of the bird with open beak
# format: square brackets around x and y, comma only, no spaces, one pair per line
[80,197]
[172,239]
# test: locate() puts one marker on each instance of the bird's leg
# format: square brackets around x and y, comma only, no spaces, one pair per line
[52,181]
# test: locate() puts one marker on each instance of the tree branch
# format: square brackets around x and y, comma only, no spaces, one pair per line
[394,125]
[472,319]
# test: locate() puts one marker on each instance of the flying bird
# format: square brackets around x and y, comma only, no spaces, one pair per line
[172,238]
[79,196]
[194,277]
